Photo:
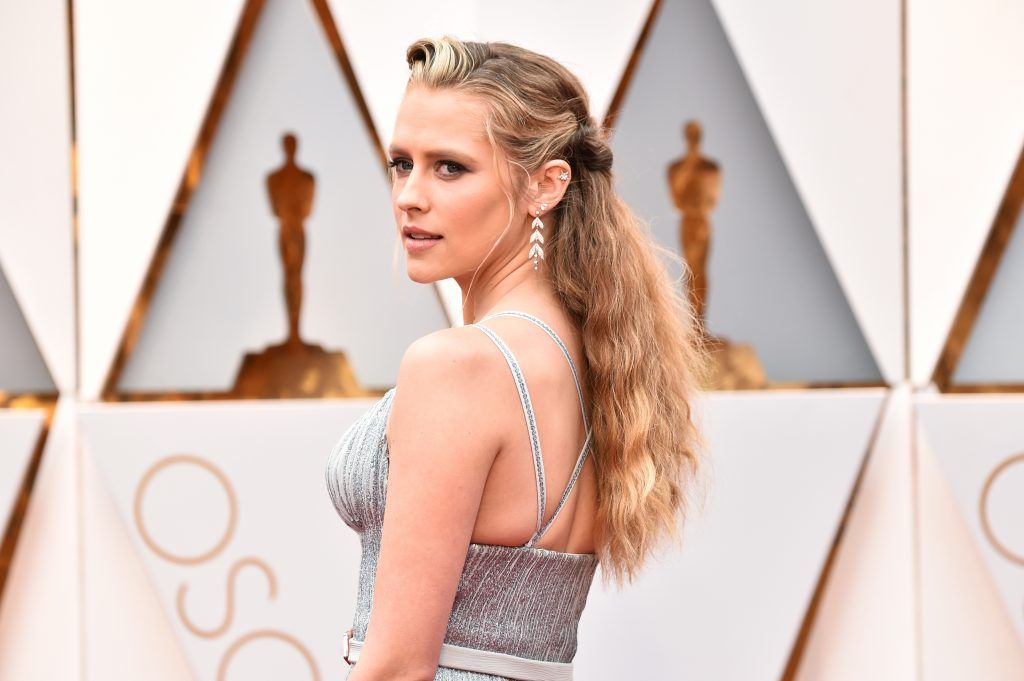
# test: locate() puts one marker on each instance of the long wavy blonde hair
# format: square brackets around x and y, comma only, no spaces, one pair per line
[644,350]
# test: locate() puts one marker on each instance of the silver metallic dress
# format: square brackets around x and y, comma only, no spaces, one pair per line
[517,600]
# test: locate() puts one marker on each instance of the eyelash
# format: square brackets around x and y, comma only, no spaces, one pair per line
[393,165]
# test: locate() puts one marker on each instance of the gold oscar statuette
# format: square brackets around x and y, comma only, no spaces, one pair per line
[695,184]
[294,368]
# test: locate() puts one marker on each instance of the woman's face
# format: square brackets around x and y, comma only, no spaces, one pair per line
[446,182]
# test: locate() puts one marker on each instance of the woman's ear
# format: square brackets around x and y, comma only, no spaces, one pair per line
[548,185]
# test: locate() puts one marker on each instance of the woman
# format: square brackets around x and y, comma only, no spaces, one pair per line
[480,566]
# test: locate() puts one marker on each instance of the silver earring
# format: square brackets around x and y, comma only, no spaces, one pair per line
[536,239]
[564,175]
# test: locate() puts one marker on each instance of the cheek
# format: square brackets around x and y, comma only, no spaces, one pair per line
[478,207]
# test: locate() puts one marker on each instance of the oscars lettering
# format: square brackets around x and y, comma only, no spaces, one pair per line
[209,554]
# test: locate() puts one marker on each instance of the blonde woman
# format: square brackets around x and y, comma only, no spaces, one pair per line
[479,565]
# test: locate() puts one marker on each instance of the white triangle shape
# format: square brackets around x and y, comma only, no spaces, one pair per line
[965,117]
[129,635]
[378,57]
[144,75]
[969,439]
[834,110]
[40,610]
[966,629]
[35,177]
[127,442]
[19,432]
[224,264]
[696,603]
[872,578]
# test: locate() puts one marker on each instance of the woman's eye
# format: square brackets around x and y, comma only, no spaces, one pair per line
[450,168]
[401,165]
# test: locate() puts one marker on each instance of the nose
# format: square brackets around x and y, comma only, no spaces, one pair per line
[411,193]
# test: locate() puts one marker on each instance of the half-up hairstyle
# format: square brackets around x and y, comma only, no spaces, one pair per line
[644,350]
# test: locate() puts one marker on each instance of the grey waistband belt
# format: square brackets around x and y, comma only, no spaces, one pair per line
[484,662]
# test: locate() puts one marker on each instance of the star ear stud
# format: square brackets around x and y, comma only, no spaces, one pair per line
[564,175]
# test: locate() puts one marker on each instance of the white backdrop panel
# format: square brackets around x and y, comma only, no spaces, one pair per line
[729,604]
[969,438]
[222,292]
[965,117]
[19,433]
[277,492]
[40,632]
[128,633]
[594,40]
[144,75]
[273,456]
[865,627]
[966,631]
[35,175]
[834,110]
[771,284]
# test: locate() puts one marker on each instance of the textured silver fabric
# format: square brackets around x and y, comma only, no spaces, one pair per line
[487,662]
[517,600]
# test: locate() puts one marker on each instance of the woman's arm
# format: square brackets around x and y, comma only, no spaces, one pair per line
[441,446]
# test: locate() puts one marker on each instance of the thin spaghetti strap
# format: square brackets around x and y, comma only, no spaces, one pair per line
[561,344]
[581,459]
[568,489]
[531,424]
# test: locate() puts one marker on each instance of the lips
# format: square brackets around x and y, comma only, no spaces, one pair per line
[419,234]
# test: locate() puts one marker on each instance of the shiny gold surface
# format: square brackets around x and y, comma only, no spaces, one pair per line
[984,272]
[291,191]
[734,366]
[695,183]
[627,75]
[298,370]
[294,368]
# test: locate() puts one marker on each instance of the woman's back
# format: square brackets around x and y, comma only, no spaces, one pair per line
[518,604]
[509,505]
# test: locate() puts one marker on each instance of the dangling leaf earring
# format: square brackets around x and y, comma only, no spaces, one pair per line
[536,239]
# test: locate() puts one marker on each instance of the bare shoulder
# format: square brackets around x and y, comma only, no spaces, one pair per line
[446,378]
[458,357]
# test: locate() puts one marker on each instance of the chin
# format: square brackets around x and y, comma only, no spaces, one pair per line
[422,275]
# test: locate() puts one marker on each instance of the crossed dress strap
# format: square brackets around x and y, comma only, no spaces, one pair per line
[531,421]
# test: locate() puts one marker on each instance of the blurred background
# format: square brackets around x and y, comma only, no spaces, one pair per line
[201,288]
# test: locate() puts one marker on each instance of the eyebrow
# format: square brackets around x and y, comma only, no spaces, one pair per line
[434,153]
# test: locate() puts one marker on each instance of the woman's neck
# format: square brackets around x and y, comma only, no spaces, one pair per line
[520,287]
